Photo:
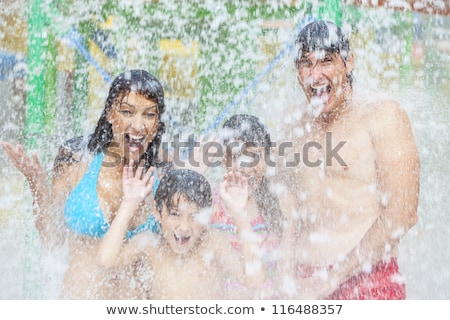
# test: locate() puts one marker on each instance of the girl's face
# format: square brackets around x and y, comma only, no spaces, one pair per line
[183,224]
[134,122]
[250,161]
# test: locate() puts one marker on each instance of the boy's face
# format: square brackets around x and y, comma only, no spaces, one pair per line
[182,224]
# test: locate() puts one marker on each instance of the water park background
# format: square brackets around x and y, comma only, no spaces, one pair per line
[214,58]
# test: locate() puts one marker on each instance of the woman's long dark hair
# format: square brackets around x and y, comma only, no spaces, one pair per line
[144,83]
[248,129]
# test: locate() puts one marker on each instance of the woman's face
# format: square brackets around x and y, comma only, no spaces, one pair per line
[134,122]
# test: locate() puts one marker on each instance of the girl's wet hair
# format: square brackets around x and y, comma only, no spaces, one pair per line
[323,35]
[246,128]
[192,185]
[251,131]
[143,83]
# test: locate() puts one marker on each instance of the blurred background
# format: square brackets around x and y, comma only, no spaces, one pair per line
[214,58]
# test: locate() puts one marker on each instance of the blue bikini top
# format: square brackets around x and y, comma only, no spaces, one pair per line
[82,210]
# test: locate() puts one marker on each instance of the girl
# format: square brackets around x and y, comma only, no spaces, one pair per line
[247,144]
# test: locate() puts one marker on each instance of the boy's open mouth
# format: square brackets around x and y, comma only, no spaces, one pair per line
[182,240]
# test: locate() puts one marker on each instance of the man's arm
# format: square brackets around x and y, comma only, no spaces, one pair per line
[398,173]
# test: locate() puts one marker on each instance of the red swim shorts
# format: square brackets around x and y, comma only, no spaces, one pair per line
[384,282]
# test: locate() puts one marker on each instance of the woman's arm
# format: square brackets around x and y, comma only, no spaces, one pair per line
[47,201]
[113,248]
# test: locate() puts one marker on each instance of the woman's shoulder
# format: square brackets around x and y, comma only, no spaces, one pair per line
[72,149]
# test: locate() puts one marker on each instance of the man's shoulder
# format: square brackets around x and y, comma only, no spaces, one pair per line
[384,116]
[389,112]
[378,108]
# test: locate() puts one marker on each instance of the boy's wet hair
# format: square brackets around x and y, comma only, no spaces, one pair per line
[323,35]
[192,185]
[143,83]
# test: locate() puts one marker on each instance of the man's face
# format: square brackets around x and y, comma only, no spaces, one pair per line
[323,77]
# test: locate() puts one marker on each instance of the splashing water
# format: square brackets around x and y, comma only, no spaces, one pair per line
[212,58]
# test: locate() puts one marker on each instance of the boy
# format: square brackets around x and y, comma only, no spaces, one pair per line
[186,260]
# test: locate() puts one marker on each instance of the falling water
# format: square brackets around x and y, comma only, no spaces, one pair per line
[214,59]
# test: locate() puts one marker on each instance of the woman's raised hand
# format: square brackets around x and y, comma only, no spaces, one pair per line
[30,167]
[137,184]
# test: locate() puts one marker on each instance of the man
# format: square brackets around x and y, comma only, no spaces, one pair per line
[353,179]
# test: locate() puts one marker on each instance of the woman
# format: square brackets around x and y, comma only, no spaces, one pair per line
[86,188]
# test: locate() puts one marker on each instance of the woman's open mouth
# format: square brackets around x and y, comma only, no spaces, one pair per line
[135,143]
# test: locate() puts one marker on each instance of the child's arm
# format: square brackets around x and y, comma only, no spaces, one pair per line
[286,265]
[234,194]
[135,188]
